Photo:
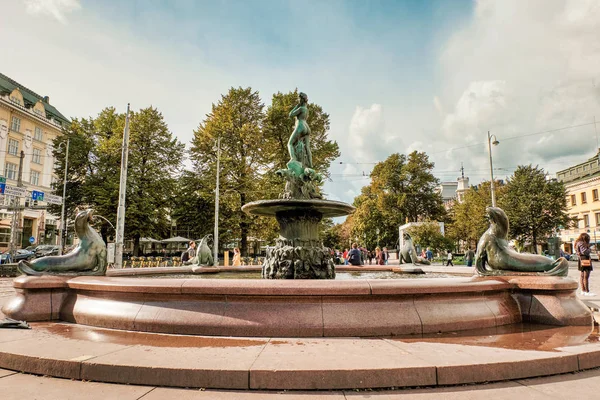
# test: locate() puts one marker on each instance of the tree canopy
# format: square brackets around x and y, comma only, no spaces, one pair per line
[535,205]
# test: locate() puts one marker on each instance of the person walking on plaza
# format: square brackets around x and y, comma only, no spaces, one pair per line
[386,255]
[429,255]
[469,256]
[345,255]
[237,258]
[582,248]
[369,256]
[449,259]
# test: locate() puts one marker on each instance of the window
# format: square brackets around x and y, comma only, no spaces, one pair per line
[13,146]
[597,219]
[595,194]
[37,156]
[16,100]
[573,203]
[35,178]
[586,221]
[583,198]
[38,134]
[38,112]
[11,171]
[16,124]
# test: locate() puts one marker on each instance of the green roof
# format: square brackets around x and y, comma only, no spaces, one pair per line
[30,98]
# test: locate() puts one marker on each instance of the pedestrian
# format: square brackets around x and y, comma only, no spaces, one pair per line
[379,257]
[354,255]
[469,256]
[189,253]
[449,258]
[370,256]
[582,248]
[386,255]
[237,258]
[345,256]
[429,255]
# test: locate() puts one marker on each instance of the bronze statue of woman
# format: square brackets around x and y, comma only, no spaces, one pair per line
[299,142]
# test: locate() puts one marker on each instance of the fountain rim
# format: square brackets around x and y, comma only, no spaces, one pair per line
[269,208]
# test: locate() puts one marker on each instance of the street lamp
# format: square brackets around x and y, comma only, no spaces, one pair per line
[377,232]
[62,213]
[490,143]
[216,230]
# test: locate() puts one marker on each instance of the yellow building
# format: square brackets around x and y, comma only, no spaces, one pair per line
[28,125]
[582,182]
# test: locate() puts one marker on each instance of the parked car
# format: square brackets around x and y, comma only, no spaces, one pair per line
[21,254]
[593,256]
[46,250]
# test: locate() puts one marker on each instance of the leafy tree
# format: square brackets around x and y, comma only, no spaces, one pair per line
[535,205]
[467,219]
[403,189]
[94,169]
[429,235]
[236,120]
[80,134]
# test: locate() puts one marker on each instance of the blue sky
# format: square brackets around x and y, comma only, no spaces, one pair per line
[395,76]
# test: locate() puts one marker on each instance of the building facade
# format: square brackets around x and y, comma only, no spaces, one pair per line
[582,182]
[28,126]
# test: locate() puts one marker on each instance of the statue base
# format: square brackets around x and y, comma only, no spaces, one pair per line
[298,253]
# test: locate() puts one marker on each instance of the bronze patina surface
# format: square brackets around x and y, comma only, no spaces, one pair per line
[88,258]
[495,257]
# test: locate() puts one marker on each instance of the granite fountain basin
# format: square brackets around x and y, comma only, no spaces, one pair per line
[298,308]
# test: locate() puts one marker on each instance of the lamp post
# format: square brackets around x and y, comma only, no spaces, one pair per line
[63,223]
[377,232]
[492,188]
[216,231]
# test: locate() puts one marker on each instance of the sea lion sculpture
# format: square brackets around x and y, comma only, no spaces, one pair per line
[204,254]
[495,257]
[88,258]
[408,253]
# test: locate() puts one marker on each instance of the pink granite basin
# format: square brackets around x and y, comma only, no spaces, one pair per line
[298,308]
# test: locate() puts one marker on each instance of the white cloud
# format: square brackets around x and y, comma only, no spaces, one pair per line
[55,8]
[519,68]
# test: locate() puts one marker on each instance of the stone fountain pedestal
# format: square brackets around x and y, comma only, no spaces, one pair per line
[299,252]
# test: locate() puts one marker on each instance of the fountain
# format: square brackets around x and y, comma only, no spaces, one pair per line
[299,254]
[297,299]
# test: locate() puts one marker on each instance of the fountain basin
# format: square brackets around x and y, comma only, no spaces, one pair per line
[298,308]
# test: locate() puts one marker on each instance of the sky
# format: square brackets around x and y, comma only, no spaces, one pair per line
[395,76]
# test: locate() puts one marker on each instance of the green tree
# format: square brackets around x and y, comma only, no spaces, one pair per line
[155,158]
[534,204]
[80,134]
[237,121]
[467,220]
[429,235]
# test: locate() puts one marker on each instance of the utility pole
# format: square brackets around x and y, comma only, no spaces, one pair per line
[16,218]
[122,186]
[216,232]
[492,187]
[63,223]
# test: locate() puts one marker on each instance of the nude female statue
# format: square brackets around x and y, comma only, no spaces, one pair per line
[299,142]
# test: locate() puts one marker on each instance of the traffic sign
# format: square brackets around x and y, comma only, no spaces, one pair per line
[32,240]
[15,191]
[37,195]
[52,199]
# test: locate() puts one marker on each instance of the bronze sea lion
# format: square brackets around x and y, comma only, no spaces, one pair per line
[88,258]
[495,257]
[408,254]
